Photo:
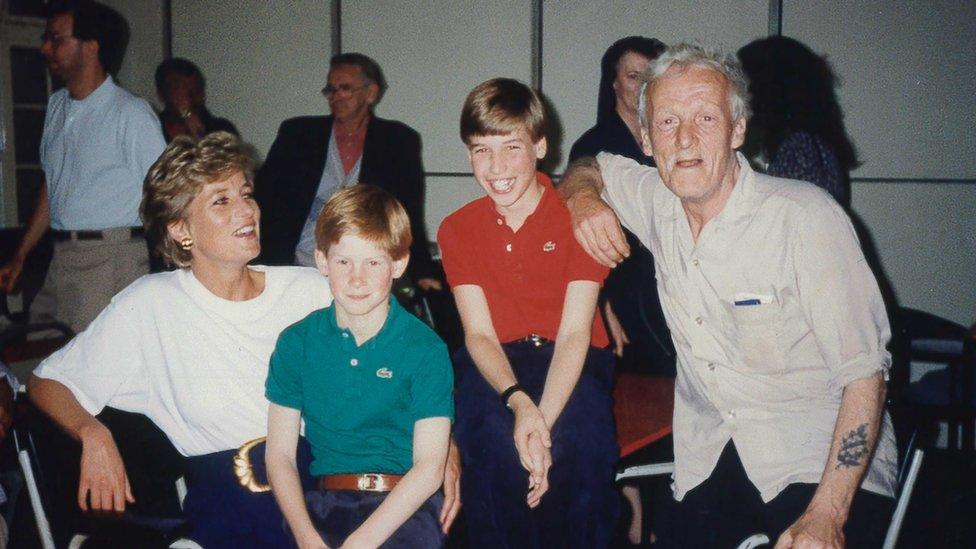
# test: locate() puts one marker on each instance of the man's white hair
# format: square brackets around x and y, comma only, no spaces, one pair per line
[684,56]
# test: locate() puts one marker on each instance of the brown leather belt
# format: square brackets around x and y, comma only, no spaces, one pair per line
[60,236]
[366,482]
[535,340]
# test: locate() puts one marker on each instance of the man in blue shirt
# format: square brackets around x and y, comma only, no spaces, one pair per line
[98,144]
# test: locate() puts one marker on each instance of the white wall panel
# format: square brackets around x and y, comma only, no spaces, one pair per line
[145,51]
[264,61]
[433,54]
[446,194]
[577,33]
[923,234]
[908,87]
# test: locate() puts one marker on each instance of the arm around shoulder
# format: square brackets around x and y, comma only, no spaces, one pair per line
[595,225]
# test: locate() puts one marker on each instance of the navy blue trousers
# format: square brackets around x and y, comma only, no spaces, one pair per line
[581,507]
[224,514]
[337,513]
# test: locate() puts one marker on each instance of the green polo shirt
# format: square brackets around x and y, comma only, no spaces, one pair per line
[360,403]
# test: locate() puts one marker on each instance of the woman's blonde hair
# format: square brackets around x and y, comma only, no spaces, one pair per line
[176,178]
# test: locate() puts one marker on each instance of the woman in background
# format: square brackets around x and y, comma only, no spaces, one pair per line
[631,306]
[797,127]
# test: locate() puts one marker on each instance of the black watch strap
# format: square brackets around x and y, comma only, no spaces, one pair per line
[507,394]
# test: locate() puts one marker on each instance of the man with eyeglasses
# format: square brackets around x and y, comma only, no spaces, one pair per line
[98,144]
[314,156]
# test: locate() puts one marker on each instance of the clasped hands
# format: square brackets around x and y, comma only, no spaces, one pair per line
[533,443]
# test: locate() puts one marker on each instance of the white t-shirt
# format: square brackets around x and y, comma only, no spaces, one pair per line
[194,363]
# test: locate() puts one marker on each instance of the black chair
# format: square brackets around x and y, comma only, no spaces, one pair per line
[49,459]
[942,396]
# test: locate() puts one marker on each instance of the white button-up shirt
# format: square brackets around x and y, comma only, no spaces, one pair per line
[96,153]
[773,311]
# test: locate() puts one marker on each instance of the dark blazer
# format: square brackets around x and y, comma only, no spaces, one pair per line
[286,184]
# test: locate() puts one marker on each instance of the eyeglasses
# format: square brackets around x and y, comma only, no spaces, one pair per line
[343,89]
[54,38]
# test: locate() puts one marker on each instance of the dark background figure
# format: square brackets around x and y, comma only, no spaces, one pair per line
[182,89]
[314,156]
[634,314]
[797,125]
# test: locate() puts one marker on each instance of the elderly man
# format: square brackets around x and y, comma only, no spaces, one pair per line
[777,320]
[314,156]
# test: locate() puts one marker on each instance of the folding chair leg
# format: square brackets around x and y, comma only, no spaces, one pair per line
[902,506]
[40,517]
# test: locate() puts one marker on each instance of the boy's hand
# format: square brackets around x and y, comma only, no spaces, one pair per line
[528,421]
[617,332]
[538,485]
[452,487]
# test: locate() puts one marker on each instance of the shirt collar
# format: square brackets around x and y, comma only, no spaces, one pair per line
[394,319]
[96,97]
[740,201]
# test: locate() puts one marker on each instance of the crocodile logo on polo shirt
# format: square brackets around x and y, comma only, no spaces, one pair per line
[549,246]
[384,373]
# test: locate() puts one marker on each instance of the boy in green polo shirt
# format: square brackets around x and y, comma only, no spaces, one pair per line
[373,385]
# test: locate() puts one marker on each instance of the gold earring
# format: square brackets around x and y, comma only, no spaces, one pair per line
[186,243]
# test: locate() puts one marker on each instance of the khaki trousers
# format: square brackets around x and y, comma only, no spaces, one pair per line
[86,274]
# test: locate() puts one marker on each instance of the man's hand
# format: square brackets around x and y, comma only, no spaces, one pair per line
[452,488]
[617,332]
[102,472]
[597,228]
[10,273]
[813,530]
[194,125]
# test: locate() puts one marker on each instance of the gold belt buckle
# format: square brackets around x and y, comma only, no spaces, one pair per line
[371,482]
[243,470]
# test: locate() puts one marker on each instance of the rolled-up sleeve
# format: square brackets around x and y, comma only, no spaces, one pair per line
[839,295]
[628,188]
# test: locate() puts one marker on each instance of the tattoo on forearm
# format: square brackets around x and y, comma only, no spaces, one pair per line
[853,448]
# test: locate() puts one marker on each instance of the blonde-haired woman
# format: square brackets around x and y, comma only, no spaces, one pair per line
[188,348]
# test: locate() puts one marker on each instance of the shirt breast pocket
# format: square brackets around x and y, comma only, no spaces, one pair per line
[757,336]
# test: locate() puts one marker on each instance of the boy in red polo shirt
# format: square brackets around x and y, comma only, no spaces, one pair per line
[535,366]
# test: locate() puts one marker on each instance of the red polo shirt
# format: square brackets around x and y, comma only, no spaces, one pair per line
[524,274]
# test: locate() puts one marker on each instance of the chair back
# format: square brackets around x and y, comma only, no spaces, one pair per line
[945,394]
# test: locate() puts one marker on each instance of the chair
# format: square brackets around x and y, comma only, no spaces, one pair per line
[48,459]
[907,476]
[944,395]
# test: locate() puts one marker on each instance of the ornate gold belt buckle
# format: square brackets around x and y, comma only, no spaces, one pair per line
[243,470]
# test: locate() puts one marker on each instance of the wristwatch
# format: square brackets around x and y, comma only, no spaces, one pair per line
[507,394]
